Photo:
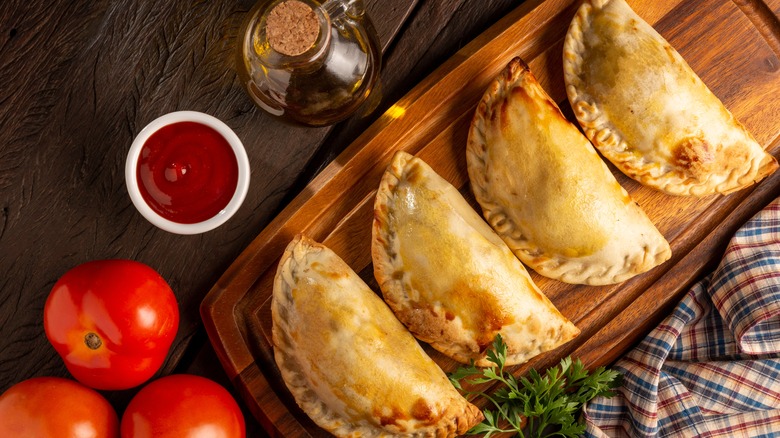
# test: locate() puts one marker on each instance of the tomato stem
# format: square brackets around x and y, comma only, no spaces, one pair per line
[93,341]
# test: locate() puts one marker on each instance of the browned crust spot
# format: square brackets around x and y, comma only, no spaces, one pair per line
[695,156]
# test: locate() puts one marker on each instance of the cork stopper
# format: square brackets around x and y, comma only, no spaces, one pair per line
[292,27]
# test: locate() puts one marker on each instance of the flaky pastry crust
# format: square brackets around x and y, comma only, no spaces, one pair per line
[547,193]
[350,365]
[447,275]
[647,111]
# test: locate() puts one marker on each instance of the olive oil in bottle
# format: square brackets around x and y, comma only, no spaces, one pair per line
[311,63]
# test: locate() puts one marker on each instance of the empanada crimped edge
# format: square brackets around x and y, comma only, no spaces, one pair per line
[435,327]
[682,178]
[634,258]
[458,417]
[385,252]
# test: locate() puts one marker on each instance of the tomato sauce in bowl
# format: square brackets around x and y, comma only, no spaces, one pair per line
[187,172]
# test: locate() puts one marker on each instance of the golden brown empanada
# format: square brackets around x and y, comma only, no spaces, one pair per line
[449,278]
[645,109]
[351,366]
[548,194]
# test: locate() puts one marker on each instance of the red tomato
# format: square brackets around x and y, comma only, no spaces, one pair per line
[49,407]
[183,405]
[112,321]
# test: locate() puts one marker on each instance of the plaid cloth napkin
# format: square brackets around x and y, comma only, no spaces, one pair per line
[712,368]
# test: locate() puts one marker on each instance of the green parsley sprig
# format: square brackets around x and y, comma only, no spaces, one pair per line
[535,406]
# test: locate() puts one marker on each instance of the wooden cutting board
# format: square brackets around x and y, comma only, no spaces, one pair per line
[733,45]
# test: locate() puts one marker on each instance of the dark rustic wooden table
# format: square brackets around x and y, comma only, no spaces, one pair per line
[79,79]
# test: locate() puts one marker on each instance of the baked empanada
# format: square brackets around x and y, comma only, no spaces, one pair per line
[548,194]
[447,275]
[645,109]
[351,366]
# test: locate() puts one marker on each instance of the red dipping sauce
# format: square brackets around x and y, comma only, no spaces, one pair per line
[187,172]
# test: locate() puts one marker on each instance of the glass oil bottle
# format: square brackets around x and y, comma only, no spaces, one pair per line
[309,62]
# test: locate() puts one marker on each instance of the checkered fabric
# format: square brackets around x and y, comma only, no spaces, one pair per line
[712,368]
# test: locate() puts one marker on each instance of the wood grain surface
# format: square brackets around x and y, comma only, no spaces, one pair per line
[78,80]
[733,45]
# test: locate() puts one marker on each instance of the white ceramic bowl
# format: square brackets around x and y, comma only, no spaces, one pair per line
[131,179]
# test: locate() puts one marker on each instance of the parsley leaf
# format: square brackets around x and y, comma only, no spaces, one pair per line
[535,405]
